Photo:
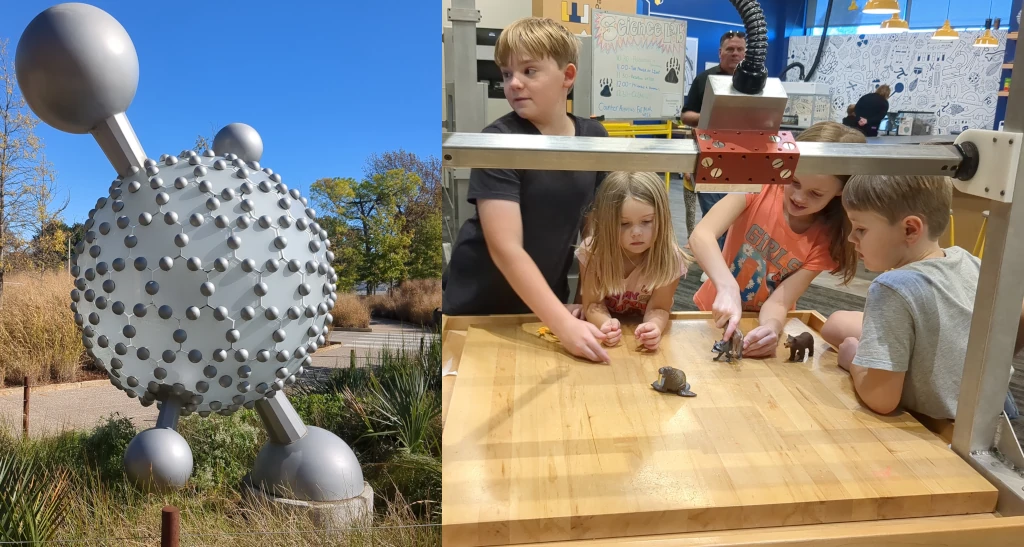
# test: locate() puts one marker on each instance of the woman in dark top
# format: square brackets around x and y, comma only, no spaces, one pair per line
[871,110]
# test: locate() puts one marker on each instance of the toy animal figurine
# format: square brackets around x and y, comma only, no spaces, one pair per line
[730,348]
[798,345]
[672,380]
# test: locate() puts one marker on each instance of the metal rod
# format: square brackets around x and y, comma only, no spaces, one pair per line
[119,143]
[24,419]
[997,311]
[488,150]
[170,526]
[283,424]
[170,412]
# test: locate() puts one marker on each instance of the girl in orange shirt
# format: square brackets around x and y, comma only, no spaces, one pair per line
[779,240]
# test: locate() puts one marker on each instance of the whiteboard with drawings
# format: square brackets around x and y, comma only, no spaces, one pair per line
[638,64]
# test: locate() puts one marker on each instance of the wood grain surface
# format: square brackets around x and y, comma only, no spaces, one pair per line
[541,446]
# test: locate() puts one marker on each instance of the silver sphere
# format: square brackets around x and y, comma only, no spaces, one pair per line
[327,468]
[76,66]
[239,139]
[158,460]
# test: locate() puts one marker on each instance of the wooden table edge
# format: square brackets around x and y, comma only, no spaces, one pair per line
[972,530]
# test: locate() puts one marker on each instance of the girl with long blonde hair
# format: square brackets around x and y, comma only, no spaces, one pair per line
[630,262]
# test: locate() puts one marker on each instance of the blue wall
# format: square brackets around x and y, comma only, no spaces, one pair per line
[707,20]
[923,13]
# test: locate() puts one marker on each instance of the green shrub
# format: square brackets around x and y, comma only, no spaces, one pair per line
[105,446]
[224,448]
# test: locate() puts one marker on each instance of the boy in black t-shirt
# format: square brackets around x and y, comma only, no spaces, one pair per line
[513,256]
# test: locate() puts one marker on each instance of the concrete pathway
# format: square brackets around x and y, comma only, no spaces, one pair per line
[84,405]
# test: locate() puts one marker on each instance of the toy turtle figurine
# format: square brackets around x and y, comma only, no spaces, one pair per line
[730,348]
[798,345]
[672,380]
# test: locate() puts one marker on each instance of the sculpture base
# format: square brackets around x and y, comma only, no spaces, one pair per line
[357,511]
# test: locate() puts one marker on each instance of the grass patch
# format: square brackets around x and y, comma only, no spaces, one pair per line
[388,413]
[413,302]
[350,312]
[38,331]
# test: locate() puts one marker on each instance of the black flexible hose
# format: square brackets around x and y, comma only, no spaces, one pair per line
[795,64]
[821,44]
[750,75]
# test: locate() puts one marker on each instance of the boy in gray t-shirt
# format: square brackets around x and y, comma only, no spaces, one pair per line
[910,346]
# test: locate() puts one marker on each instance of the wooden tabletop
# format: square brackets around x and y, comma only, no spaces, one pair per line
[541,446]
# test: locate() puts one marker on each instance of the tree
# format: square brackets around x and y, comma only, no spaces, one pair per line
[26,179]
[421,210]
[372,207]
[425,258]
[202,144]
[348,258]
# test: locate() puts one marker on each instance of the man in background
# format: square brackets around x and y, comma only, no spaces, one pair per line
[732,47]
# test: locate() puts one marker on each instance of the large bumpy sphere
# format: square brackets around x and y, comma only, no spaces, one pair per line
[76,66]
[206,278]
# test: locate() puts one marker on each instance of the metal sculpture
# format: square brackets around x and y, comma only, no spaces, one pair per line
[204,284]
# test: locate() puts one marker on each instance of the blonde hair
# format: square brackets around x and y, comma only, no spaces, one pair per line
[851,109]
[896,197]
[661,265]
[837,223]
[884,90]
[537,38]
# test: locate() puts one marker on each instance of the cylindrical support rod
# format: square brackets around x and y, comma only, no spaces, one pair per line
[283,424]
[24,419]
[119,143]
[170,411]
[170,526]
[481,150]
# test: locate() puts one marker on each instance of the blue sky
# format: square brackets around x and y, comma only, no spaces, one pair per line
[325,83]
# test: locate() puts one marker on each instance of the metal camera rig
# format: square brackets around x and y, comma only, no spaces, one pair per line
[738,142]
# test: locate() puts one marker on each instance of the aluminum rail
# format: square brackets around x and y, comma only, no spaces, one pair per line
[504,151]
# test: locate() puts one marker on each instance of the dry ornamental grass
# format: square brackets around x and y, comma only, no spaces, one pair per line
[37,329]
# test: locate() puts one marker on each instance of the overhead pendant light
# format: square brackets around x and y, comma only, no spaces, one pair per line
[883,7]
[853,6]
[895,24]
[986,39]
[946,31]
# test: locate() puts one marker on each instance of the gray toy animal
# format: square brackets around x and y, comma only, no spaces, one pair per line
[672,380]
[798,344]
[730,348]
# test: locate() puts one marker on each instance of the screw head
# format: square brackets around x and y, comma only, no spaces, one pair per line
[786,173]
[716,172]
[707,162]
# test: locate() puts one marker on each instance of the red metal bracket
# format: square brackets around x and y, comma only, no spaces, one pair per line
[745,157]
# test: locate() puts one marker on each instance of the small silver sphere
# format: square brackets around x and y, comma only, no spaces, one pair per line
[240,139]
[158,460]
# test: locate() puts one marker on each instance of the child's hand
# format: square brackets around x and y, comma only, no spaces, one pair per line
[727,310]
[580,338]
[648,334]
[613,330]
[762,341]
[576,310]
